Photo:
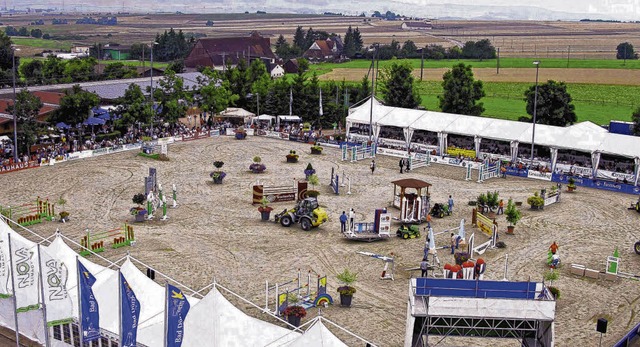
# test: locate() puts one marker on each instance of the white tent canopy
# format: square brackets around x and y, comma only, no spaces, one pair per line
[233,112]
[289,118]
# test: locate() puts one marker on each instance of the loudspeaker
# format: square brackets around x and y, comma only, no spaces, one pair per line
[151,273]
[602,326]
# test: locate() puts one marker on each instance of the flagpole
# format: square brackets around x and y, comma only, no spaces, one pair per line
[166,312]
[120,307]
[80,332]
[13,289]
[44,304]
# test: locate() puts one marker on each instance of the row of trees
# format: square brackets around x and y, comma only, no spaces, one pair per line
[23,31]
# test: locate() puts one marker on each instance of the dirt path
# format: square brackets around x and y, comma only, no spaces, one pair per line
[217,233]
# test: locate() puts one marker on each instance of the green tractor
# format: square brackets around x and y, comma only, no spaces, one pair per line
[307,212]
[440,210]
[408,232]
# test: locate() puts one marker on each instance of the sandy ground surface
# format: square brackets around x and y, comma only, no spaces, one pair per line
[588,76]
[217,233]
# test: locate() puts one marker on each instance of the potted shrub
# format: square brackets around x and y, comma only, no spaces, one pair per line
[513,216]
[217,175]
[138,212]
[257,166]
[536,201]
[241,134]
[64,215]
[316,149]
[347,278]
[492,202]
[309,171]
[265,209]
[292,157]
[572,184]
[461,257]
[482,202]
[313,180]
[294,314]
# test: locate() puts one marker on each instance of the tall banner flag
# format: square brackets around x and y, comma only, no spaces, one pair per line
[320,102]
[89,310]
[175,314]
[54,277]
[25,274]
[5,268]
[130,314]
[290,102]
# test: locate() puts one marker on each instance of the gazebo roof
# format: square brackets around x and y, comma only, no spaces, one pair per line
[411,183]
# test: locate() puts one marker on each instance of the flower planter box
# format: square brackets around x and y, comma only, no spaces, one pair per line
[510,229]
[266,215]
[217,180]
[571,189]
[292,160]
[294,320]
[345,300]
[140,217]
[241,136]
[316,151]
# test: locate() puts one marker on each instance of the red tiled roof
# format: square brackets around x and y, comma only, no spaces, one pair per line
[212,51]
[49,97]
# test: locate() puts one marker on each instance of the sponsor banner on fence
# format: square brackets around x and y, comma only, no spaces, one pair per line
[545,176]
[19,166]
[358,138]
[454,162]
[598,184]
[421,147]
[392,143]
[391,152]
[610,175]
[455,151]
[514,171]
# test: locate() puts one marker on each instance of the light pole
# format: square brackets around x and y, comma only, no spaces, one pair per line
[153,110]
[535,108]
[15,119]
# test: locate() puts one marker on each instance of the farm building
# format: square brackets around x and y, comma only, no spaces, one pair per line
[416,26]
[216,52]
[291,66]
[325,50]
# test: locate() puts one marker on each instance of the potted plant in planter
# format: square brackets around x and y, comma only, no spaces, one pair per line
[316,149]
[461,257]
[492,202]
[64,215]
[292,157]
[265,209]
[294,314]
[513,216]
[241,134]
[218,175]
[257,166]
[309,171]
[572,184]
[347,278]
[536,201]
[138,212]
[313,180]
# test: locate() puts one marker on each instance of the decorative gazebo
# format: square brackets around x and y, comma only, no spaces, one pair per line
[414,207]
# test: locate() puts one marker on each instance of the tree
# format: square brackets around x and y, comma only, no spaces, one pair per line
[80,70]
[118,71]
[349,43]
[482,49]
[636,122]
[32,72]
[397,86]
[172,97]
[27,108]
[461,92]
[37,33]
[176,66]
[357,39]
[409,50]
[435,52]
[625,51]
[298,39]
[74,106]
[53,69]
[6,54]
[133,108]
[364,90]
[554,105]
[213,94]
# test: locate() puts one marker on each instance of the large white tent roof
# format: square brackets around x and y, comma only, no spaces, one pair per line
[317,335]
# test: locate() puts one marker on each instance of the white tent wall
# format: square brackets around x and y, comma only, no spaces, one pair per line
[514,151]
[317,335]
[595,162]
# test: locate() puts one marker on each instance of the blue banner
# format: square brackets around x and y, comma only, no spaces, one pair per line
[177,309]
[514,171]
[90,324]
[597,184]
[130,310]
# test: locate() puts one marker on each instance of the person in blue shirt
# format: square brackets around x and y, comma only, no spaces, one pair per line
[450,204]
[343,222]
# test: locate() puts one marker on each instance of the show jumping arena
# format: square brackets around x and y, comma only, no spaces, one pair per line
[216,233]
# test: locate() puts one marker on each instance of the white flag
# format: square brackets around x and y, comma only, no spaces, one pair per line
[321,101]
[24,262]
[5,269]
[54,279]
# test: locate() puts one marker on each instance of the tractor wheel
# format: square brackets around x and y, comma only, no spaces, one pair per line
[405,235]
[305,223]
[418,235]
[638,206]
[286,221]
[441,215]
[636,247]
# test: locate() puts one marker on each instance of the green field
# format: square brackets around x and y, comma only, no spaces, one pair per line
[490,63]
[596,103]
[41,43]
[25,60]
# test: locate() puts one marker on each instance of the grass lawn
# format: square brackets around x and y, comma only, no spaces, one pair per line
[25,60]
[491,63]
[596,103]
[41,43]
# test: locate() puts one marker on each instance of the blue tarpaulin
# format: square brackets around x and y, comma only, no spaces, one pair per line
[63,125]
[94,121]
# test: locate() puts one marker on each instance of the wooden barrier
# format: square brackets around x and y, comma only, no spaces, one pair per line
[119,237]
[487,225]
[30,213]
[280,194]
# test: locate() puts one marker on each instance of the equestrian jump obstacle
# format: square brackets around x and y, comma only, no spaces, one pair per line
[295,192]
[419,160]
[356,153]
[335,182]
[119,237]
[155,197]
[30,213]
[387,260]
[488,226]
[307,300]
[485,172]
[552,197]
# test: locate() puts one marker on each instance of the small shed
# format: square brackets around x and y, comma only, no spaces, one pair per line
[414,206]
